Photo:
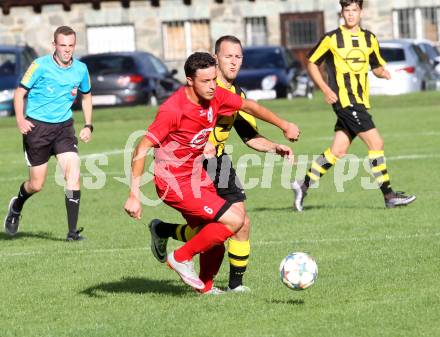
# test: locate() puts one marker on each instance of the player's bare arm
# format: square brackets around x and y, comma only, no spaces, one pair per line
[133,204]
[86,133]
[290,130]
[23,124]
[315,74]
[381,72]
[262,144]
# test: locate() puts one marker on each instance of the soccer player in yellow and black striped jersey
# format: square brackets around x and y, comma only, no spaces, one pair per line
[349,52]
[229,55]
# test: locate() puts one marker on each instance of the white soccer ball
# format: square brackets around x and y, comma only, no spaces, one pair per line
[298,271]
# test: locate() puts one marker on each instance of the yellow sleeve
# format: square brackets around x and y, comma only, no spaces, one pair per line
[318,53]
[376,59]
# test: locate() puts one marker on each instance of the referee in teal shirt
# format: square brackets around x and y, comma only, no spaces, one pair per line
[52,83]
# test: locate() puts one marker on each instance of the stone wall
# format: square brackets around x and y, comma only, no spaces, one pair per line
[22,25]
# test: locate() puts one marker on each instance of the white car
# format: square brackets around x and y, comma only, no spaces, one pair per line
[410,70]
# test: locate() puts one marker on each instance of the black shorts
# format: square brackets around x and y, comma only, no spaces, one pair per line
[225,179]
[353,119]
[47,139]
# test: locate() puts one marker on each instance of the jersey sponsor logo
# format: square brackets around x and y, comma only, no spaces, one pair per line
[200,139]
[356,59]
[29,72]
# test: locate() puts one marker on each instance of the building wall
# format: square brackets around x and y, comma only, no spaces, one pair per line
[22,25]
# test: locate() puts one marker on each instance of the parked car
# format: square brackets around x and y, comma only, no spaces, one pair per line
[14,60]
[410,69]
[128,78]
[270,72]
[431,51]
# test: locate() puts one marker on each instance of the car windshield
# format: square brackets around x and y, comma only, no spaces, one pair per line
[7,64]
[262,58]
[115,64]
[392,54]
[429,50]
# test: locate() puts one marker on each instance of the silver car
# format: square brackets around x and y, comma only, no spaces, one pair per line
[410,69]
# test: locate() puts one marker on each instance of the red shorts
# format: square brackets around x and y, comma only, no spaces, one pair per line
[198,206]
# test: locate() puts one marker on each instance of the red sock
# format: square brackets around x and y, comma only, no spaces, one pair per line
[210,263]
[213,234]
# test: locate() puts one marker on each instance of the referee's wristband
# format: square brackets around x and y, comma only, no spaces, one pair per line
[90,126]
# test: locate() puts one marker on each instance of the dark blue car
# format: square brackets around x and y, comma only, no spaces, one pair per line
[14,60]
[270,72]
[128,78]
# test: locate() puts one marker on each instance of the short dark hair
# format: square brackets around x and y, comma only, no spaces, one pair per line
[229,38]
[63,30]
[345,3]
[198,60]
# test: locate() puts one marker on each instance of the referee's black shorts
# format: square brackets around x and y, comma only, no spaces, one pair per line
[353,119]
[47,139]
[225,179]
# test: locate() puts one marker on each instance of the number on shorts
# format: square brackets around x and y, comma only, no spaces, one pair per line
[208,210]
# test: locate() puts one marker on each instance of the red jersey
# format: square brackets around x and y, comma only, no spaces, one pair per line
[181,129]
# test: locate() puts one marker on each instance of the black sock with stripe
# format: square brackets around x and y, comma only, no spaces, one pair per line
[319,167]
[379,170]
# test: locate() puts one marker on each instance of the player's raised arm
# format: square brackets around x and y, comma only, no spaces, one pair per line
[290,130]
[133,205]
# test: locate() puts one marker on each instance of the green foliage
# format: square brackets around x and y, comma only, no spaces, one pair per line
[378,268]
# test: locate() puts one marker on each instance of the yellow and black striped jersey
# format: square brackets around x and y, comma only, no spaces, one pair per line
[348,57]
[244,124]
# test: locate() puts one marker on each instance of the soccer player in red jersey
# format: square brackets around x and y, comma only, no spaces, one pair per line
[179,133]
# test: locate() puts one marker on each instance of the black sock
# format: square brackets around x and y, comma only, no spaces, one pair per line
[166,230]
[236,276]
[72,208]
[22,196]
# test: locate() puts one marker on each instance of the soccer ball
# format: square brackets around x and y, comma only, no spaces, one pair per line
[298,271]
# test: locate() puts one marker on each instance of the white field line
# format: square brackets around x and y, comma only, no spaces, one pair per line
[421,236]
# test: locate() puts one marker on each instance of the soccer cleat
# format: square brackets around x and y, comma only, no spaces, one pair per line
[186,271]
[300,192]
[240,289]
[12,219]
[213,291]
[75,236]
[158,244]
[395,199]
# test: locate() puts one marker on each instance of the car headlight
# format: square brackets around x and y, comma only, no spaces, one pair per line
[6,95]
[269,82]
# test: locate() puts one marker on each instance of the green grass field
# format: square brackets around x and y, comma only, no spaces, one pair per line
[379,269]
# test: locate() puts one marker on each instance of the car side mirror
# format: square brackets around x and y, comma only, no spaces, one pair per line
[173,72]
[436,61]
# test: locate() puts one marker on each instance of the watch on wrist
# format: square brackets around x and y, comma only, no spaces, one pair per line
[90,126]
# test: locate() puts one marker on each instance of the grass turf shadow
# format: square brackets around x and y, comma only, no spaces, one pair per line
[33,235]
[136,285]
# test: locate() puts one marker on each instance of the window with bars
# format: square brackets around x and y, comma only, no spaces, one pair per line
[256,31]
[418,23]
[302,33]
[431,23]
[182,38]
